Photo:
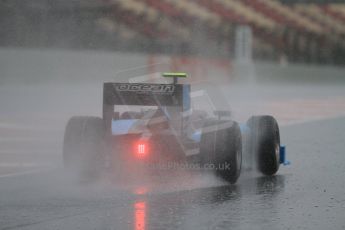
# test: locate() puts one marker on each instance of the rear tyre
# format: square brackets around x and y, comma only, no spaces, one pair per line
[265,143]
[83,150]
[221,148]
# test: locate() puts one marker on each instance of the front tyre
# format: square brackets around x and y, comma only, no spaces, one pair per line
[83,149]
[265,143]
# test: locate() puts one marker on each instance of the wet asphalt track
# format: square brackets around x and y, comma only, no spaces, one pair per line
[309,194]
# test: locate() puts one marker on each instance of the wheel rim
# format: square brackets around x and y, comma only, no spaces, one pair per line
[277,152]
[239,157]
[238,160]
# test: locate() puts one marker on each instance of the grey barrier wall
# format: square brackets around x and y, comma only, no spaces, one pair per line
[25,66]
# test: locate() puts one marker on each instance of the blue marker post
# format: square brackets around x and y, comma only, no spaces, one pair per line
[282,155]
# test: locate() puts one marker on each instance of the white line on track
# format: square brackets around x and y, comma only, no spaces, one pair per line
[33,171]
[316,119]
[23,164]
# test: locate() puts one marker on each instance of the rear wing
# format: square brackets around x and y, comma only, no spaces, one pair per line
[146,94]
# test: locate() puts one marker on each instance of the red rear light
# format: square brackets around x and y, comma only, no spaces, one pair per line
[141,149]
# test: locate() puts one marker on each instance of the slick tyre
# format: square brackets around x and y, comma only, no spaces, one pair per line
[83,149]
[265,143]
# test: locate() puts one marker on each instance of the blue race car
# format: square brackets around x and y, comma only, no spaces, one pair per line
[153,124]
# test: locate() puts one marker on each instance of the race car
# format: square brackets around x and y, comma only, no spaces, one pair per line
[154,124]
